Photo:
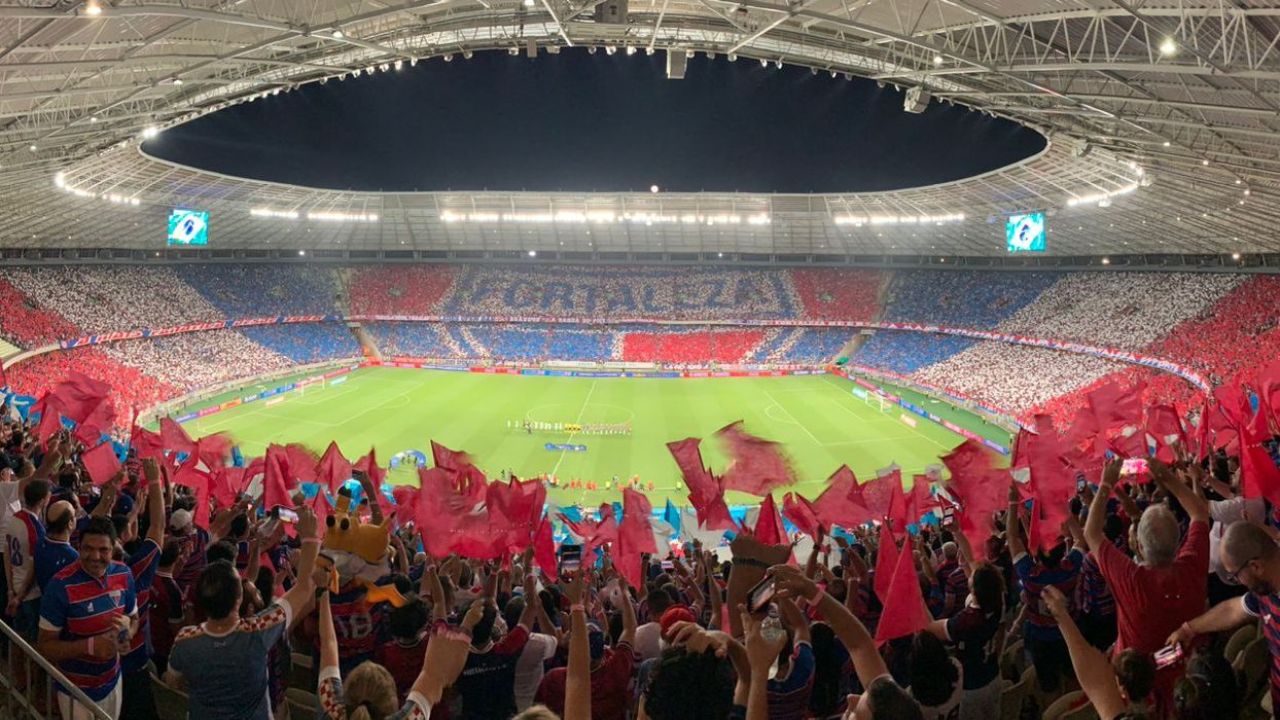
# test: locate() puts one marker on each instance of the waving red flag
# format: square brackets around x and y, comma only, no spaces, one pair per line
[101,463]
[544,548]
[80,396]
[92,427]
[1115,407]
[322,507]
[904,610]
[635,536]
[757,465]
[517,507]
[706,494]
[214,449]
[175,438]
[406,504]
[769,529]
[841,503]
[302,462]
[334,469]
[886,561]
[276,480]
[369,466]
[801,513]
[223,484]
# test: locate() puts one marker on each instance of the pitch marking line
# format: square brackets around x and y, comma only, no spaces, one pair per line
[581,410]
[895,421]
[816,441]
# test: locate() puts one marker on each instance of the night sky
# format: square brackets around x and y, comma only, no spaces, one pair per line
[583,122]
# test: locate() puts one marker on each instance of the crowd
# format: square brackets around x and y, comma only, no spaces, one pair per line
[306,342]
[1129,607]
[399,289]
[1218,324]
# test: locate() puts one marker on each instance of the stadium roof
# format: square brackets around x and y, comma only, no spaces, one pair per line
[1165,116]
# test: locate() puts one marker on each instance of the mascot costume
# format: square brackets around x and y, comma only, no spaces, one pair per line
[357,553]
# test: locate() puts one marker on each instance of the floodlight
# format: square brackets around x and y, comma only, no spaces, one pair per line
[337,34]
[1168,46]
[92,8]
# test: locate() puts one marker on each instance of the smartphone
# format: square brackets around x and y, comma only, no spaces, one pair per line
[288,515]
[668,565]
[1168,655]
[948,515]
[570,558]
[1133,466]
[759,597]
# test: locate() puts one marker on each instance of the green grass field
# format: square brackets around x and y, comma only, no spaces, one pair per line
[818,419]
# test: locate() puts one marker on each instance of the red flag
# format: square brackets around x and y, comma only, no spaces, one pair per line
[322,507]
[302,462]
[897,516]
[1258,472]
[145,444]
[1115,407]
[976,528]
[223,484]
[904,610]
[1165,425]
[175,438]
[91,428]
[453,460]
[801,513]
[544,548]
[757,465]
[369,466]
[706,494]
[101,463]
[635,536]
[276,480]
[517,507]
[841,503]
[50,418]
[769,529]
[1269,390]
[214,449]
[201,515]
[334,469]
[886,560]
[80,395]
[920,501]
[406,504]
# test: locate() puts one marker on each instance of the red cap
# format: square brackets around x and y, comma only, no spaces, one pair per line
[673,615]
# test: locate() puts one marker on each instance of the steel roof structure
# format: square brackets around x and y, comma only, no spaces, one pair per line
[1161,118]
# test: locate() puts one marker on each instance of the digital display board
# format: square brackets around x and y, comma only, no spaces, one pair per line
[188,227]
[1025,233]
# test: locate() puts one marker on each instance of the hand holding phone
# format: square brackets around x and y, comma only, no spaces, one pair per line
[1168,655]
[759,597]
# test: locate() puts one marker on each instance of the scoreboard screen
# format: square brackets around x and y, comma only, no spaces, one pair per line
[1025,233]
[188,227]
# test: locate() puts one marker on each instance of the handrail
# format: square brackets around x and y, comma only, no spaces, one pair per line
[8,681]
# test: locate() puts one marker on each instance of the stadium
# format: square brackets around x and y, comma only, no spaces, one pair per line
[940,338]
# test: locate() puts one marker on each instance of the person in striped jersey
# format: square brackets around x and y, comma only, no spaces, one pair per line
[87,621]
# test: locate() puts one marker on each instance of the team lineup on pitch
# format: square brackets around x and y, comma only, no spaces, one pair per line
[397,410]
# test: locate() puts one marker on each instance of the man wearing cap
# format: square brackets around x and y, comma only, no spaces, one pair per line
[195,540]
[610,668]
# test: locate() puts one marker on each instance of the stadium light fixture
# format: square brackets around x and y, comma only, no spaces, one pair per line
[1205,162]
[1166,143]
[631,49]
[1106,261]
[337,34]
[397,64]
[533,253]
[33,148]
[654,189]
[937,59]
[93,8]
[302,253]
[93,118]
[1235,256]
[764,63]
[1168,46]
[528,3]
[150,131]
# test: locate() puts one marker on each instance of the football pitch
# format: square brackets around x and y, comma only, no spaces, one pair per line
[818,419]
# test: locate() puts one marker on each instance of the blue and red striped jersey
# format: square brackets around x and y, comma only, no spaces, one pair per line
[78,605]
[143,563]
[1034,577]
[1268,608]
